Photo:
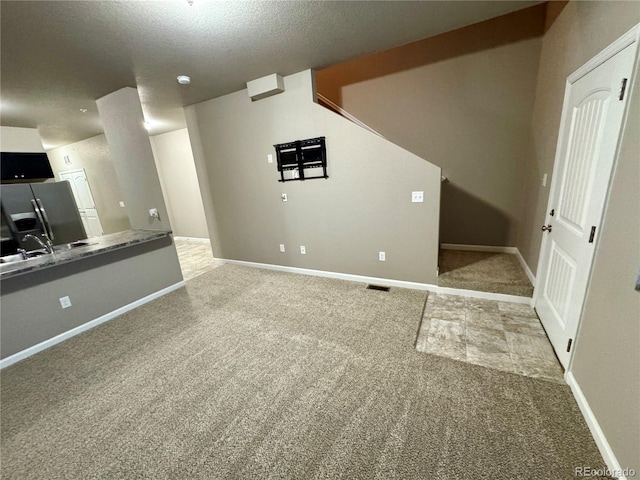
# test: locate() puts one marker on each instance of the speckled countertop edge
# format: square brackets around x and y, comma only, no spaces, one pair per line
[98,245]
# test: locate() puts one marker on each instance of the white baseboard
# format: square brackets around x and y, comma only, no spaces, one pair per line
[16,357]
[193,239]
[495,249]
[477,248]
[387,282]
[596,432]
[525,267]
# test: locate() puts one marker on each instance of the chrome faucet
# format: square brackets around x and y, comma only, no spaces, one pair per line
[48,247]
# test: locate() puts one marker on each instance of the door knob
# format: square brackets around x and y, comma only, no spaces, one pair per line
[546,228]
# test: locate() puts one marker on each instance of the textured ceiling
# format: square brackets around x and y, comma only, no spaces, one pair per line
[58,57]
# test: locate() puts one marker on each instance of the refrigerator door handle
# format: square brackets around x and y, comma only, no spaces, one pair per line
[46,220]
[36,208]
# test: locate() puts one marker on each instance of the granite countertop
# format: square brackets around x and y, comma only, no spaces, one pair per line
[96,246]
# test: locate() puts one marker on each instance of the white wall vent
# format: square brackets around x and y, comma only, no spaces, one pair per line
[265,86]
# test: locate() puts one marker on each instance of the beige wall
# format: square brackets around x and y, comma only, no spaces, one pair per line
[463,100]
[96,286]
[16,139]
[606,359]
[344,221]
[606,362]
[174,159]
[93,155]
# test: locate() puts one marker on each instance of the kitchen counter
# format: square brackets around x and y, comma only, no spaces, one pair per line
[97,246]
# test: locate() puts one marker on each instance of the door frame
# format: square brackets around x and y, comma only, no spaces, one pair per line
[632,37]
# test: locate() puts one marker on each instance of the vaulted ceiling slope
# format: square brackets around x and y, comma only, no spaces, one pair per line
[59,56]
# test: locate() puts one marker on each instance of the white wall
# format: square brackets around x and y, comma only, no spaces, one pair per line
[179,181]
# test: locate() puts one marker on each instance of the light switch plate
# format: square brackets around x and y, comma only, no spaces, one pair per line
[282,247]
[417,197]
[284,197]
[382,256]
[544,180]
[303,250]
[269,158]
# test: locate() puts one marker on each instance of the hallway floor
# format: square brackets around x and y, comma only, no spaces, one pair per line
[195,257]
[499,335]
[484,272]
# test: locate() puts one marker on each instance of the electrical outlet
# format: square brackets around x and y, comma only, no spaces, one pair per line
[153,212]
[544,180]
[121,203]
[282,247]
[65,302]
[382,256]
[269,158]
[303,250]
[284,197]
[417,197]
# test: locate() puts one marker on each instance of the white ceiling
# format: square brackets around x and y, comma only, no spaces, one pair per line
[59,56]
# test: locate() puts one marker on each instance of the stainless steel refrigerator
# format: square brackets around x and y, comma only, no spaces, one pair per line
[42,209]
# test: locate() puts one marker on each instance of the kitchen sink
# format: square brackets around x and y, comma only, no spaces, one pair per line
[19,258]
[72,245]
[12,258]
[38,253]
[80,243]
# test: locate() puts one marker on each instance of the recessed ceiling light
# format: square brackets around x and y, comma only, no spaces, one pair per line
[84,110]
[184,79]
[152,124]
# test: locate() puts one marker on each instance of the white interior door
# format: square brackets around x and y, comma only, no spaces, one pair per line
[86,205]
[592,119]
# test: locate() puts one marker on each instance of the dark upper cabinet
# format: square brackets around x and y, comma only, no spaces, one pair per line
[20,167]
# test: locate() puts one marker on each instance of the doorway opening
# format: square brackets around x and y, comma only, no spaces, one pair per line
[195,256]
[483,271]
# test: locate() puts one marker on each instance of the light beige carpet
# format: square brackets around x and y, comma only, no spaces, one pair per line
[250,373]
[484,272]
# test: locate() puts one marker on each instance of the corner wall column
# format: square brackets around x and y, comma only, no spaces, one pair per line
[123,123]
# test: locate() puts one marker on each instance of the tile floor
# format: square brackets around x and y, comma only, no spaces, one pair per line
[195,257]
[500,335]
